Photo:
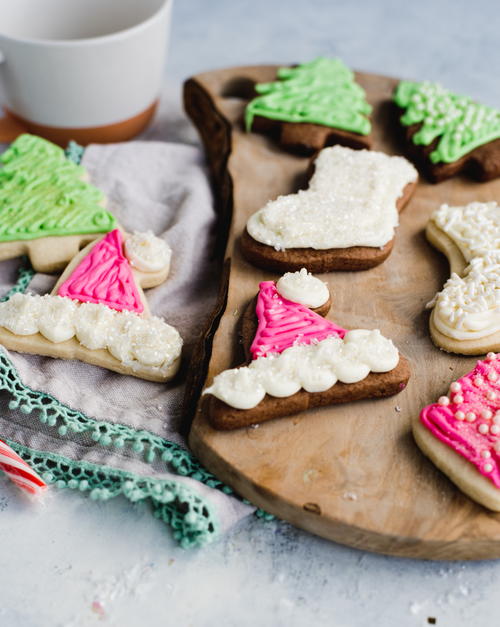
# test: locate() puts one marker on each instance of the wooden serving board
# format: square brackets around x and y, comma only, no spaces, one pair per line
[350,473]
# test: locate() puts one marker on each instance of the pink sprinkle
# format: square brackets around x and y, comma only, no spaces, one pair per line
[98,608]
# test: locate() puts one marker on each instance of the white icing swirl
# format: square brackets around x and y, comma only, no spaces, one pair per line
[313,367]
[147,253]
[304,288]
[130,338]
[468,307]
[351,201]
[94,324]
[56,318]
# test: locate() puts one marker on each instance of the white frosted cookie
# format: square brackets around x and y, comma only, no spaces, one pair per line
[351,201]
[466,312]
[97,313]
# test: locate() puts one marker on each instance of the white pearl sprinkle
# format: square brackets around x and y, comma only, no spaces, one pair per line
[491,356]
[483,428]
[488,467]
[491,395]
[492,376]
[460,415]
[495,429]
[485,454]
[478,381]
[443,400]
[486,414]
[455,386]
[470,416]
[496,418]
[458,398]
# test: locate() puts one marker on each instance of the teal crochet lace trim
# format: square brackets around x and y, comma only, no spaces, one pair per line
[74,152]
[191,520]
[53,413]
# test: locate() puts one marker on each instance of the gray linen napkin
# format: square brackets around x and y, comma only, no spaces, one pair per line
[87,428]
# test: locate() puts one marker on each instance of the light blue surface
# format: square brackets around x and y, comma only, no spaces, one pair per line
[75,563]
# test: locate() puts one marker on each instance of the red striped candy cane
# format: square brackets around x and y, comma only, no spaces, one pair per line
[19,471]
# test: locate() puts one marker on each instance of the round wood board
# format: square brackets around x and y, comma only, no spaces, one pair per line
[350,473]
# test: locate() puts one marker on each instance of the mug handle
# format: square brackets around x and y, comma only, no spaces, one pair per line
[10,128]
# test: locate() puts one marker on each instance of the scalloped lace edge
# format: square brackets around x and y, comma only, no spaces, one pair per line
[190,517]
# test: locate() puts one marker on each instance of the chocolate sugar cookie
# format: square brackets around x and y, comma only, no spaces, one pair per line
[300,360]
[345,220]
[447,133]
[311,106]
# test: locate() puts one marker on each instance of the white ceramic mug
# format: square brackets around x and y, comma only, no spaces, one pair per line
[88,70]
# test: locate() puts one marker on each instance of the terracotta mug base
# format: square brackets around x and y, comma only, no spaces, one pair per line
[12,125]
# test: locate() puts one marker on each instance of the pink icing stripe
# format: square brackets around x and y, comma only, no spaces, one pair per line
[104,276]
[283,323]
[476,401]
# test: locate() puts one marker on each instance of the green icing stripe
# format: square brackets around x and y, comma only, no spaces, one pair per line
[459,123]
[322,91]
[43,193]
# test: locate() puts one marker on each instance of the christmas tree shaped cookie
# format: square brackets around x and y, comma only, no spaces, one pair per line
[466,312]
[461,432]
[298,360]
[448,133]
[47,208]
[345,220]
[312,105]
[97,311]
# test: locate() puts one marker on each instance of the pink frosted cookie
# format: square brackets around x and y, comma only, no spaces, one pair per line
[300,360]
[461,432]
[97,311]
